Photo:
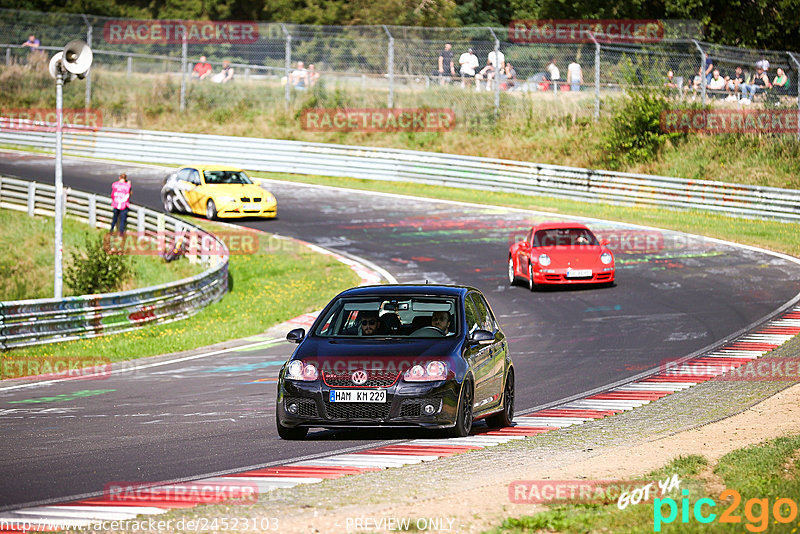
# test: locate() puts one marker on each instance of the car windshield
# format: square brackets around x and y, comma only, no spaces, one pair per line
[557,237]
[390,316]
[226,177]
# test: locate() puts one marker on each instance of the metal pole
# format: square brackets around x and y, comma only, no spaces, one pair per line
[130,67]
[184,52]
[390,68]
[88,98]
[496,74]
[702,69]
[797,82]
[58,276]
[287,64]
[596,79]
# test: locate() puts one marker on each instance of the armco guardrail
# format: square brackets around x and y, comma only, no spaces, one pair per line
[35,322]
[414,166]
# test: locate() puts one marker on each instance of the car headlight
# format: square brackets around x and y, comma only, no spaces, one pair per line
[297,370]
[544,259]
[435,370]
[227,199]
[606,258]
[269,199]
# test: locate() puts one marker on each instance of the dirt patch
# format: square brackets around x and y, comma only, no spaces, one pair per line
[476,501]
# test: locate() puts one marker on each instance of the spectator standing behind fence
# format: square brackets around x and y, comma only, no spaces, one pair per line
[32,42]
[574,76]
[313,75]
[759,82]
[225,75]
[120,202]
[553,72]
[468,62]
[709,72]
[202,69]
[446,67]
[298,78]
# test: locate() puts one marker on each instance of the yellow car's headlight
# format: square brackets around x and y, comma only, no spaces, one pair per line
[227,199]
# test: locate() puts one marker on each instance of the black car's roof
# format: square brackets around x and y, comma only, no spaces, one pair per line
[407,289]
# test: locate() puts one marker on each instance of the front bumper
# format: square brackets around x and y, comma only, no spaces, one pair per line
[233,211]
[403,406]
[559,276]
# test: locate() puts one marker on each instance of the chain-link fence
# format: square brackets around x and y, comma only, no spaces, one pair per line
[399,67]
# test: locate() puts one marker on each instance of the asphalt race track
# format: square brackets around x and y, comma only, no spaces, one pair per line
[674,295]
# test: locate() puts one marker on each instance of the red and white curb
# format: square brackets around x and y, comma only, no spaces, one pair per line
[160,499]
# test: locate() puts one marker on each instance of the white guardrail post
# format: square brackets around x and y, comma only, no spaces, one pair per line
[35,322]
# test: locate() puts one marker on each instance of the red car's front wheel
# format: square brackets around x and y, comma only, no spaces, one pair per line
[512,277]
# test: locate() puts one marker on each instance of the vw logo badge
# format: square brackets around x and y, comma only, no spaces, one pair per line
[359,377]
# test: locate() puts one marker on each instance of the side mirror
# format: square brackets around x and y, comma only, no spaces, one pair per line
[296,336]
[605,242]
[482,337]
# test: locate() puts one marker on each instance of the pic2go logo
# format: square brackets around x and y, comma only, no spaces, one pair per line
[756,511]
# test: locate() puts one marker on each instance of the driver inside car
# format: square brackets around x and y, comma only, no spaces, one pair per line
[441,320]
[370,324]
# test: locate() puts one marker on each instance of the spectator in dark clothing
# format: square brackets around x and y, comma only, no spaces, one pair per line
[446,67]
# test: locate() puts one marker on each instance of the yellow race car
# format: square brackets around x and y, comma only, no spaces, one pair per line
[216,191]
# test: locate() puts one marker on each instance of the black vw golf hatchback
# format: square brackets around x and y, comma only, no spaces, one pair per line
[421,356]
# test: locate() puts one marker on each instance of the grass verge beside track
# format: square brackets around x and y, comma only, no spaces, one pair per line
[771,235]
[765,473]
[26,266]
[276,284]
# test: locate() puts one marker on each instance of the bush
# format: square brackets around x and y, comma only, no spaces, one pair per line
[93,270]
[635,135]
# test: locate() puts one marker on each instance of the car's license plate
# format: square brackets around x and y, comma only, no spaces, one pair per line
[357,395]
[579,273]
[252,207]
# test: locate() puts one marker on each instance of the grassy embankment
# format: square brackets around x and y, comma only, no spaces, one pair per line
[26,266]
[532,127]
[282,280]
[767,473]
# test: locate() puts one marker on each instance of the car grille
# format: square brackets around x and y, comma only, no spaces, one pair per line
[308,408]
[356,410]
[248,199]
[375,379]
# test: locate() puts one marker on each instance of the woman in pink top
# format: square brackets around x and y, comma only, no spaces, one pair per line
[120,201]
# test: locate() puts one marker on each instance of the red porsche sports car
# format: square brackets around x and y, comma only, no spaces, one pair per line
[560,253]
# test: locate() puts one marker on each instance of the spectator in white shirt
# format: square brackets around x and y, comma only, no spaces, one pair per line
[469,65]
[493,64]
[574,76]
[552,69]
